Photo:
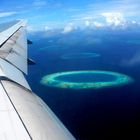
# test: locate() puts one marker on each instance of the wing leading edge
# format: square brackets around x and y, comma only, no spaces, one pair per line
[23,115]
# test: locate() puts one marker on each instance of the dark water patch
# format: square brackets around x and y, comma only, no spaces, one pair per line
[80,55]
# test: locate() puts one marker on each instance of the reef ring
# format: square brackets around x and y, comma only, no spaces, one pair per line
[85,79]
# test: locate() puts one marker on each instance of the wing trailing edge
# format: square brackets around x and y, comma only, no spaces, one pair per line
[13,45]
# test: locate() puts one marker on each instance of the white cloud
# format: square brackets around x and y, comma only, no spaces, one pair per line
[87,23]
[39,3]
[34,28]
[129,7]
[103,19]
[98,24]
[133,61]
[30,29]
[47,28]
[134,22]
[116,14]
[6,14]
[69,28]
[87,18]
[115,19]
[46,3]
[91,23]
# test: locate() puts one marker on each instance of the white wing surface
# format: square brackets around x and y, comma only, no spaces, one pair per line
[23,115]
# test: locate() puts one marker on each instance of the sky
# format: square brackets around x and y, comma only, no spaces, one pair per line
[71,14]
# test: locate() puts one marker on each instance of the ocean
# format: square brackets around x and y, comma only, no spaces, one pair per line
[89,114]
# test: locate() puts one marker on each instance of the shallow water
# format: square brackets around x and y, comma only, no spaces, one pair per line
[88,77]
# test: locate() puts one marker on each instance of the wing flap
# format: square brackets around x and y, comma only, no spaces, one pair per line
[9,71]
[8,29]
[14,46]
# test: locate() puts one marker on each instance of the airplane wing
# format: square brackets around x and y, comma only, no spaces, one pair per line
[23,115]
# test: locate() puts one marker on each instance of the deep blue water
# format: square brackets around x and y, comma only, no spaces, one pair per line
[80,55]
[108,113]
